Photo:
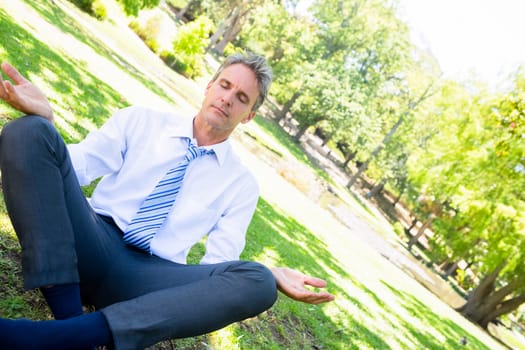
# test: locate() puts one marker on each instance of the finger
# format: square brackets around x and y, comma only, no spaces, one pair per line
[4,92]
[323,298]
[318,298]
[12,73]
[314,282]
[9,90]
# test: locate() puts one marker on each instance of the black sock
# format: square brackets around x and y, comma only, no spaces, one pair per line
[79,332]
[63,300]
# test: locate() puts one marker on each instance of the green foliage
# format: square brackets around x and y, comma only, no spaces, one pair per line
[99,10]
[132,7]
[149,32]
[399,229]
[471,164]
[189,48]
[95,8]
[85,5]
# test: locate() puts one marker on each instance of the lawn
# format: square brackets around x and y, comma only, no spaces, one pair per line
[377,305]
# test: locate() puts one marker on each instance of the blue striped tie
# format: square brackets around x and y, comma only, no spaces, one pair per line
[157,205]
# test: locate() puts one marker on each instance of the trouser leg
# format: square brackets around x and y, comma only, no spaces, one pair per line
[45,202]
[207,298]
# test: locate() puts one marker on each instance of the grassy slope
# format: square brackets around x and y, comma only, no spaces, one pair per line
[377,306]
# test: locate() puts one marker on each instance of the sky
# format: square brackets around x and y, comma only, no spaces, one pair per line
[481,37]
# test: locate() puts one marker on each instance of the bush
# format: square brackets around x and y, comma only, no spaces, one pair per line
[84,5]
[148,33]
[92,7]
[230,49]
[134,26]
[399,229]
[99,10]
[179,66]
[189,47]
[153,44]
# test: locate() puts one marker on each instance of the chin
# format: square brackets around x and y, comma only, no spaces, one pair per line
[217,122]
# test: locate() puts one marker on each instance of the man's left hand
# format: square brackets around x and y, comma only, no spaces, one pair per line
[293,284]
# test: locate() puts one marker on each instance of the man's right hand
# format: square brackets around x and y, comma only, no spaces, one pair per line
[23,95]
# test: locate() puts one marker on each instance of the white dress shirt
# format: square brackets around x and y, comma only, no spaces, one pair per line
[133,151]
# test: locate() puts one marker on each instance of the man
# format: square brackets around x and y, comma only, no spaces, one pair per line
[125,250]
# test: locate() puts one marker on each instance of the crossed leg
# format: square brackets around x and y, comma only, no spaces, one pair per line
[144,299]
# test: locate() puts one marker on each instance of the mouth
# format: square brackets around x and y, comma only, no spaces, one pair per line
[221,111]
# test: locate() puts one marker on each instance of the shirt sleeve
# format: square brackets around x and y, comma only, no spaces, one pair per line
[102,151]
[226,241]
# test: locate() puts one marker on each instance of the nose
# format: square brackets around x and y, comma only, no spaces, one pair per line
[227,98]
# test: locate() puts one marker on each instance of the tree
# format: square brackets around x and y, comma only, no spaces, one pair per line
[412,105]
[474,165]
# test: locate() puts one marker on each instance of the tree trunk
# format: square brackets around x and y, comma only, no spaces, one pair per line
[421,231]
[300,133]
[485,303]
[504,308]
[376,189]
[349,157]
[227,38]
[401,192]
[220,31]
[376,151]
[287,106]
[228,30]
[180,15]
[327,139]
[451,270]
[412,225]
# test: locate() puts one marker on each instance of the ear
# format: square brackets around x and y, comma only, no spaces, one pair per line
[208,87]
[249,117]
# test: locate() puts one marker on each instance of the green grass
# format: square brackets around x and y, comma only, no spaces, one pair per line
[56,16]
[376,307]
[280,136]
[79,98]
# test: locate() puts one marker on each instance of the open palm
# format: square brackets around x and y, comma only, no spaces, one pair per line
[23,95]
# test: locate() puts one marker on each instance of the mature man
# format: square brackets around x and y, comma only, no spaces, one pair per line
[124,251]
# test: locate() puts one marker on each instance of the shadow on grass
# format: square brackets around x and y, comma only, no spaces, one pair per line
[74,88]
[372,320]
[295,325]
[14,303]
[429,323]
[56,16]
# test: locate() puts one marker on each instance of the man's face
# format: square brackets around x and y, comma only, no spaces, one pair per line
[230,98]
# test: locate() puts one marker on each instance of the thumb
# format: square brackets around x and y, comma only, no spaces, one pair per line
[12,73]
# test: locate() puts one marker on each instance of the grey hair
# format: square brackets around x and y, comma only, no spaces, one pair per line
[258,65]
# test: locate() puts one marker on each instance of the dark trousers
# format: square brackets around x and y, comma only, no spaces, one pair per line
[145,299]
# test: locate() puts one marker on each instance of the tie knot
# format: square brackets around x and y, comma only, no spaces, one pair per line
[195,152]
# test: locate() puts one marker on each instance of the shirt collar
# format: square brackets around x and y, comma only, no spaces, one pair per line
[185,129]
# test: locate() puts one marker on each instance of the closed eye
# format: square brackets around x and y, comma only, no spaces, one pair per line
[243,98]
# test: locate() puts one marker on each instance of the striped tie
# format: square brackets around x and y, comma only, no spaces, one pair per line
[157,205]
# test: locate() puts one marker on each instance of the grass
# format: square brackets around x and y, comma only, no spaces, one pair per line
[68,84]
[282,138]
[377,306]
